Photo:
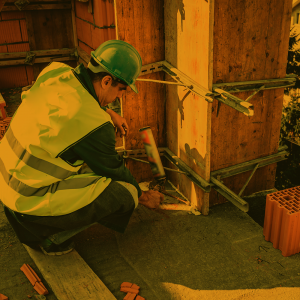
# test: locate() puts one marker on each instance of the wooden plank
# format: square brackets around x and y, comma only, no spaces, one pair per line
[38,7]
[52,29]
[74,24]
[188,122]
[31,40]
[39,1]
[83,55]
[70,277]
[37,52]
[254,48]
[36,61]
[141,24]
[2,3]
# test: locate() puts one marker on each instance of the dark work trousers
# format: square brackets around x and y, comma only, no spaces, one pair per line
[112,208]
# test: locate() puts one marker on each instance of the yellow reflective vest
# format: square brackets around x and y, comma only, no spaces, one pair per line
[56,113]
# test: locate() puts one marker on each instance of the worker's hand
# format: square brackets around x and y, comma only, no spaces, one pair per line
[119,122]
[151,199]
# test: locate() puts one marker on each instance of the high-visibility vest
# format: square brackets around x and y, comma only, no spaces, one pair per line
[55,114]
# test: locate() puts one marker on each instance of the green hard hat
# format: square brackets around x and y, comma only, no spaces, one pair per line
[119,59]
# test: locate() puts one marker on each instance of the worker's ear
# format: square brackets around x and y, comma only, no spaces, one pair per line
[106,82]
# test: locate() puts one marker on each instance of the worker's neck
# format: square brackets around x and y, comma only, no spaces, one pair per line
[99,92]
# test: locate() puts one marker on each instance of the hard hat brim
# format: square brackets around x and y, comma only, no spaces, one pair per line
[134,88]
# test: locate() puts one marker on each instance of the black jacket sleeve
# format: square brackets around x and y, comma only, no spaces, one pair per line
[98,151]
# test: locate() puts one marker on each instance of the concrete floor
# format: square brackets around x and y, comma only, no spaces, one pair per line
[176,256]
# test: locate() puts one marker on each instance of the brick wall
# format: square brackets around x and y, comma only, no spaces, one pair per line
[92,29]
[14,38]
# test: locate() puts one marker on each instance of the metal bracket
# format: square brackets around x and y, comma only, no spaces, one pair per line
[29,59]
[21,4]
[241,168]
[183,167]
[218,93]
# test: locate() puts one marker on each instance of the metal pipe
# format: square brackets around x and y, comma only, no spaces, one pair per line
[160,81]
[146,162]
[245,185]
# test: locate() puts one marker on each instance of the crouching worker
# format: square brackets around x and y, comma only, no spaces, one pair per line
[61,124]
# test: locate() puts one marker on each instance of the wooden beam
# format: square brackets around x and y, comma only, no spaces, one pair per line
[83,55]
[74,24]
[37,53]
[69,276]
[36,61]
[2,2]
[31,40]
[39,1]
[39,7]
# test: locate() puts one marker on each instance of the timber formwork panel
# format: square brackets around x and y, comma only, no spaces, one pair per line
[141,23]
[250,43]
[188,48]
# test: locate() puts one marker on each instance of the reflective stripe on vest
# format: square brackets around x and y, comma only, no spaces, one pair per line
[55,114]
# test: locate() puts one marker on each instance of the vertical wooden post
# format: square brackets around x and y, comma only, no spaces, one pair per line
[189,22]
[31,40]
[74,25]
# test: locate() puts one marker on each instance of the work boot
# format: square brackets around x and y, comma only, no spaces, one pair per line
[49,248]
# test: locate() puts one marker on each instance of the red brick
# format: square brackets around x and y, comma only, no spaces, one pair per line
[13,76]
[30,76]
[129,290]
[136,287]
[86,48]
[3,49]
[10,32]
[129,296]
[24,47]
[24,30]
[81,9]
[99,36]
[138,297]
[84,32]
[3,297]
[126,284]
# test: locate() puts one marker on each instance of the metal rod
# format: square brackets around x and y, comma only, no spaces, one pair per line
[160,81]
[245,185]
[147,162]
[261,88]
[164,192]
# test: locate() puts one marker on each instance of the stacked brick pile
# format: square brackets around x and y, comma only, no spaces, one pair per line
[3,126]
[282,220]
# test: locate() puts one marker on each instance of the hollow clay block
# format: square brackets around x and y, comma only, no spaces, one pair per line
[3,297]
[129,296]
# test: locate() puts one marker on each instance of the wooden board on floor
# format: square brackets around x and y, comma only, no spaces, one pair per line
[70,277]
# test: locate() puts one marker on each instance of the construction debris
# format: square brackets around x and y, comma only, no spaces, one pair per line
[34,279]
[3,297]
